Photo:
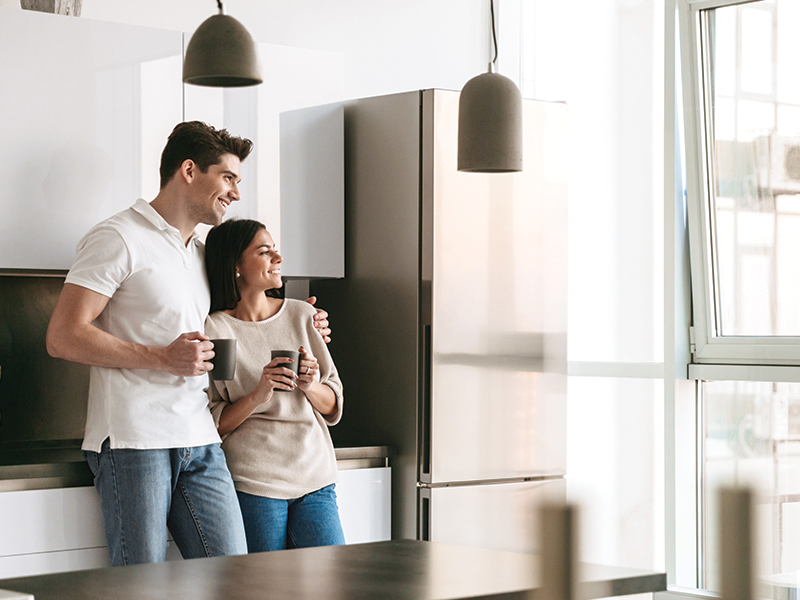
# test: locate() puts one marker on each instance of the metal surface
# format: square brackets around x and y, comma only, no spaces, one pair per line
[452,311]
[500,516]
[499,296]
[399,570]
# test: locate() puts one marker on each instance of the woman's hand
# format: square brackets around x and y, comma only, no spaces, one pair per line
[275,376]
[308,372]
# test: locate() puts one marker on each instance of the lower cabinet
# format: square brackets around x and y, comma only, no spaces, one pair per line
[55,530]
[47,531]
[364,497]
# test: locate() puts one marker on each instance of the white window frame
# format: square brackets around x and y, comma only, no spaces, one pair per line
[707,345]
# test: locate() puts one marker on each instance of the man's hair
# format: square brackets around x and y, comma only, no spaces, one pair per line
[201,143]
[225,245]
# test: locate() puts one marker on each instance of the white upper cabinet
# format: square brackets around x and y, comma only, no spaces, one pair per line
[85,108]
[312,191]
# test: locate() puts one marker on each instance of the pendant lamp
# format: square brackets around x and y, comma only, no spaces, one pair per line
[490,121]
[221,53]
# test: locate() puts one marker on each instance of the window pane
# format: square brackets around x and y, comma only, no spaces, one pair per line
[756,163]
[756,54]
[788,53]
[752,437]
[615,468]
[616,216]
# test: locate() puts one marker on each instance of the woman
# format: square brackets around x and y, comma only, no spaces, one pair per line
[274,424]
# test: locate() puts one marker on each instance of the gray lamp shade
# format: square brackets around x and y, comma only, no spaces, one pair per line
[490,125]
[221,53]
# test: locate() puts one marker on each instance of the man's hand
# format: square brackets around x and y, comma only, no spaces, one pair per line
[187,356]
[321,321]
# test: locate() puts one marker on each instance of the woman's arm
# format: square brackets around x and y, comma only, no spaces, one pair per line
[321,396]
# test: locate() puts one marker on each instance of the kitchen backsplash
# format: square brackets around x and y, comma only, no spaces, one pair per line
[42,399]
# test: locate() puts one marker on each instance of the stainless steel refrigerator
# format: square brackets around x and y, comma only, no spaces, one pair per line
[449,326]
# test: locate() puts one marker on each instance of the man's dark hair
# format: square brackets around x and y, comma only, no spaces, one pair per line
[201,143]
[225,245]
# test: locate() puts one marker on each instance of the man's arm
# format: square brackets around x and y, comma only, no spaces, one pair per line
[72,336]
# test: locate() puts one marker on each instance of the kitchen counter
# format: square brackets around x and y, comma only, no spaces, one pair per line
[399,570]
[61,464]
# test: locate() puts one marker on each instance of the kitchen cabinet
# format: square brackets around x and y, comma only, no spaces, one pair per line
[90,109]
[364,497]
[83,126]
[55,530]
[46,531]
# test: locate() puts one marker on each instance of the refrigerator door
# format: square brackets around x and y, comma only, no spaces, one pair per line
[494,303]
[502,516]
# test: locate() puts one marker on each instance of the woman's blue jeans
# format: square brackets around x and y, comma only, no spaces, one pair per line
[189,490]
[311,520]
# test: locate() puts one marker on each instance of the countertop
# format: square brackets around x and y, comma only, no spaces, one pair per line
[61,464]
[394,570]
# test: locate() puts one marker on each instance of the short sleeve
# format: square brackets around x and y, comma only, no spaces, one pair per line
[102,262]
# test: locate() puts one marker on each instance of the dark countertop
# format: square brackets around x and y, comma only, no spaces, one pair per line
[61,464]
[395,570]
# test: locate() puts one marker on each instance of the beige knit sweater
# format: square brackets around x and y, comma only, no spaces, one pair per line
[283,450]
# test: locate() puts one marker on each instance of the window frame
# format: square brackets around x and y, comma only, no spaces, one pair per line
[707,345]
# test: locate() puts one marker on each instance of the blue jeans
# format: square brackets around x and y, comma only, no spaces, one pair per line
[311,520]
[189,490]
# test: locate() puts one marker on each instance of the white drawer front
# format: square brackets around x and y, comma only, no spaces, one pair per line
[50,520]
[365,504]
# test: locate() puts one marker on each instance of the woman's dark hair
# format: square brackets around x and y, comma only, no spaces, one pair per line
[201,143]
[225,245]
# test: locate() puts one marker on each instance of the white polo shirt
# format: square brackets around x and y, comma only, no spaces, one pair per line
[157,290]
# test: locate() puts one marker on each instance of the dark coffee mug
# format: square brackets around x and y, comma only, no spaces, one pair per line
[224,360]
[293,366]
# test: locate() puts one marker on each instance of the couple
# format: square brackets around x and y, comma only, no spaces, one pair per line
[134,306]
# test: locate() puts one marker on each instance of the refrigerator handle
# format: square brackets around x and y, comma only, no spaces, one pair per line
[424,514]
[425,408]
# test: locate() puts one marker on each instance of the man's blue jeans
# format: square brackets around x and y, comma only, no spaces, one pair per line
[189,490]
[311,520]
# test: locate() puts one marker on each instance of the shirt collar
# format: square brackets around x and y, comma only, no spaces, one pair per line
[144,208]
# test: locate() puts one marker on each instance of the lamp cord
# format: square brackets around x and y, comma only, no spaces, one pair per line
[494,34]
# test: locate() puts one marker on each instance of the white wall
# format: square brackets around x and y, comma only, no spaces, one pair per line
[388,46]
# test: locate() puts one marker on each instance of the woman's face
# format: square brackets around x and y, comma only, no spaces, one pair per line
[260,264]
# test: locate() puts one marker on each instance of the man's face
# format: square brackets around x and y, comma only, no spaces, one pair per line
[214,190]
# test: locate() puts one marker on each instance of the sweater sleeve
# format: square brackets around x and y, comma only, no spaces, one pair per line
[218,397]
[327,370]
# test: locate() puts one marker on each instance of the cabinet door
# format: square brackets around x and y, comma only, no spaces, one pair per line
[83,125]
[35,521]
[27,565]
[365,504]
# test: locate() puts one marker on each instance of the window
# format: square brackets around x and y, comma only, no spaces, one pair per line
[743,151]
[741,101]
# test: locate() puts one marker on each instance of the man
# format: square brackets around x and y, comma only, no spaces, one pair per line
[133,306]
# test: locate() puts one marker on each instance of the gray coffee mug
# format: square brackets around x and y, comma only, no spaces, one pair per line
[224,360]
[294,365]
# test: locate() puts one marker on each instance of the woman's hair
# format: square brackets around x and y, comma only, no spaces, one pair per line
[225,245]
